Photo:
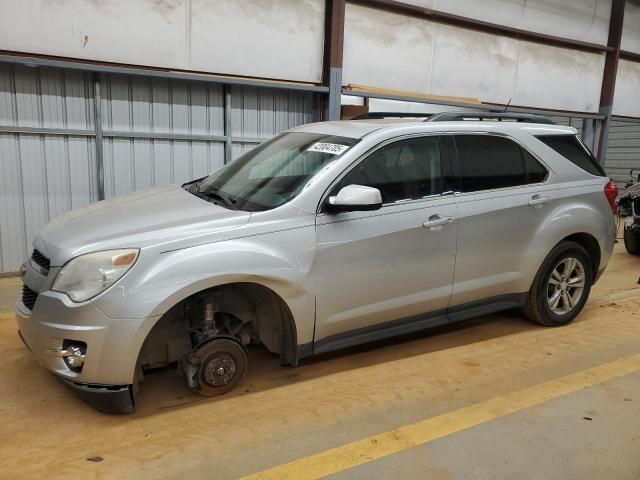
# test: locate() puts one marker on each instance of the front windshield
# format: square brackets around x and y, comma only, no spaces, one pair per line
[272,173]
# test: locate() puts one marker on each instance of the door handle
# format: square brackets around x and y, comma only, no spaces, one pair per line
[436,222]
[538,200]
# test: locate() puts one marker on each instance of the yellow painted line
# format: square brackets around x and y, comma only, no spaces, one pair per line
[394,441]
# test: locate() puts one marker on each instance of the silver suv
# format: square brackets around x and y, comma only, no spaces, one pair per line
[326,236]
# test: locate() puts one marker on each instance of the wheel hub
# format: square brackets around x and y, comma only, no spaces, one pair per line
[220,370]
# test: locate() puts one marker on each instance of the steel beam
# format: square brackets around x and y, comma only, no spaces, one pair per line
[32,60]
[332,62]
[72,132]
[165,136]
[633,56]
[616,21]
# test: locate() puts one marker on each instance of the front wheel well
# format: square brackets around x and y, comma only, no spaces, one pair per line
[591,245]
[248,311]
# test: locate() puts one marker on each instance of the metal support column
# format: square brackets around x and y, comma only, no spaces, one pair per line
[97,119]
[609,78]
[332,63]
[589,133]
[228,152]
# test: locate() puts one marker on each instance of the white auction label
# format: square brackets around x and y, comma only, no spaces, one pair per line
[332,148]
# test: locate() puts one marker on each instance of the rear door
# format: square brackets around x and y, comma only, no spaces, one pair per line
[502,202]
[396,262]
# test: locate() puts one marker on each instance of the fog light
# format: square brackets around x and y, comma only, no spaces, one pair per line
[75,359]
[73,354]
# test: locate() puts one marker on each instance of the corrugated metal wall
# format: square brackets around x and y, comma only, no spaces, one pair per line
[155,132]
[623,149]
[42,175]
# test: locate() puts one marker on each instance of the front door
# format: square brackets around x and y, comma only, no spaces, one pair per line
[394,263]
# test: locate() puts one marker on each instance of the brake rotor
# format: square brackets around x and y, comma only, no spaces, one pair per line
[223,362]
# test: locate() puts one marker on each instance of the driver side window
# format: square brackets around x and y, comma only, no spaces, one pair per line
[404,170]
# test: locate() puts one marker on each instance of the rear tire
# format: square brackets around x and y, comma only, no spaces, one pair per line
[561,287]
[632,241]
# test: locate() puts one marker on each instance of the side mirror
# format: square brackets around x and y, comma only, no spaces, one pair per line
[355,198]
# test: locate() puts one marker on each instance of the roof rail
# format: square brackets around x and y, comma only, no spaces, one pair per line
[493,116]
[381,115]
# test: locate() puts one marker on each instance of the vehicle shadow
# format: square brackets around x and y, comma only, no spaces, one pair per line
[166,389]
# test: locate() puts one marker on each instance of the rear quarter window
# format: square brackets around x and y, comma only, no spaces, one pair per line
[573,150]
[487,162]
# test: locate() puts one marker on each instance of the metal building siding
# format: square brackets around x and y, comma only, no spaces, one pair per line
[43,175]
[623,149]
[156,131]
[260,113]
[136,106]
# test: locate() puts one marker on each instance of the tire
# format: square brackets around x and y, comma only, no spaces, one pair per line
[223,362]
[545,288]
[632,241]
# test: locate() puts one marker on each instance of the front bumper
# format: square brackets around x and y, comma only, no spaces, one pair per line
[112,345]
[107,399]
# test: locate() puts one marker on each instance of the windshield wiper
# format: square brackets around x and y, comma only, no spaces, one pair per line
[216,196]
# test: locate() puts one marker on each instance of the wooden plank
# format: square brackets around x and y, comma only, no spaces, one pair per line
[399,93]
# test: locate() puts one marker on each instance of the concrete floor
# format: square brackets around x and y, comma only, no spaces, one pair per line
[487,400]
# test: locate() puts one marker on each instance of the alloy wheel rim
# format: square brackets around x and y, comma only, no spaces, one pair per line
[565,286]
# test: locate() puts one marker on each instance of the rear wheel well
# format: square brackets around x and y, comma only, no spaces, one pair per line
[591,245]
[247,311]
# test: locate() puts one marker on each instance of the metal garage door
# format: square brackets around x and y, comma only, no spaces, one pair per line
[623,149]
[152,132]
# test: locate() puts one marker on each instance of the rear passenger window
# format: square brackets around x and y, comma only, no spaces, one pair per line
[486,162]
[403,170]
[573,150]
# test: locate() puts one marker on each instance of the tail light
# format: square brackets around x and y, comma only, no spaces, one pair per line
[611,192]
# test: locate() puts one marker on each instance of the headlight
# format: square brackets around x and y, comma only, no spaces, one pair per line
[88,275]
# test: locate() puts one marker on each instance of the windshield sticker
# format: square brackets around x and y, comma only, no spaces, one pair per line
[332,148]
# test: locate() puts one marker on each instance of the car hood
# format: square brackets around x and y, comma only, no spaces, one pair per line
[167,216]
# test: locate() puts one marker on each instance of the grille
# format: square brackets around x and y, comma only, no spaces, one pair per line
[29,297]
[41,260]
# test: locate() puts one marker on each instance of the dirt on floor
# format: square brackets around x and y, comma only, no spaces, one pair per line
[279,414]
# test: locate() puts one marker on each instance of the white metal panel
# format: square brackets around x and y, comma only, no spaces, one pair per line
[558,78]
[626,100]
[585,20]
[631,27]
[474,64]
[140,32]
[241,37]
[249,37]
[386,50]
[415,55]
